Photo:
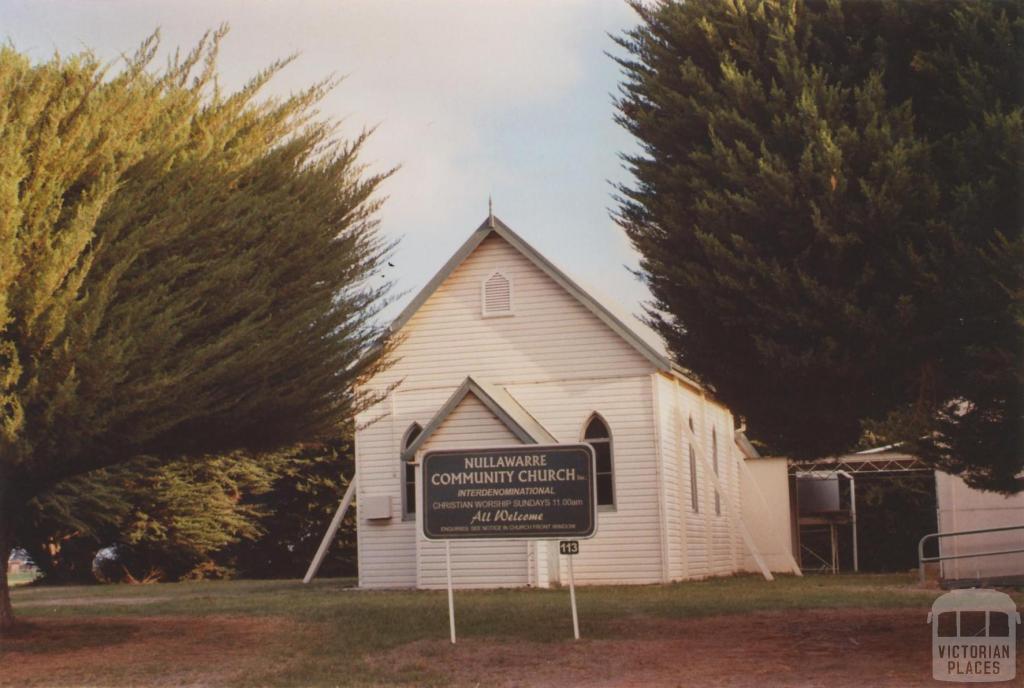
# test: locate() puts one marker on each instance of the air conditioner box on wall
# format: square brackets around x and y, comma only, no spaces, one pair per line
[375,507]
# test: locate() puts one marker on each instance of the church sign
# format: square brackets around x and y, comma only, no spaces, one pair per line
[529,491]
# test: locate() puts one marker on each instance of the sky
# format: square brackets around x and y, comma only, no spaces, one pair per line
[508,99]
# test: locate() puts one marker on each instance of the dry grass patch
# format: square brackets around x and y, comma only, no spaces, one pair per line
[150,651]
[817,631]
[843,648]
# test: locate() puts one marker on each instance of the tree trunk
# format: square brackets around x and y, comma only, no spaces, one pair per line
[6,545]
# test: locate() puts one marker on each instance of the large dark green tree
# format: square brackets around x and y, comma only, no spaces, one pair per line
[827,203]
[183,271]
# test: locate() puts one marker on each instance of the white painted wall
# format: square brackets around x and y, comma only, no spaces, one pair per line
[673,473]
[766,512]
[626,548]
[561,363]
[964,508]
[387,549]
[484,564]
[705,542]
[551,336]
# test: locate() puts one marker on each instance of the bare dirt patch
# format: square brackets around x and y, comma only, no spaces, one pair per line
[150,651]
[843,648]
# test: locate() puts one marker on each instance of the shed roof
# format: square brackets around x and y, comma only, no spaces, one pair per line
[524,426]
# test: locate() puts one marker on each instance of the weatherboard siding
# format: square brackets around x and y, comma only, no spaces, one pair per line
[550,335]
[672,486]
[561,363]
[387,548]
[700,543]
[627,546]
[724,555]
[385,551]
[475,564]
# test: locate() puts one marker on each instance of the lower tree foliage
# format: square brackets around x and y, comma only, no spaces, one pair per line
[309,484]
[827,204]
[253,516]
[153,521]
[187,276]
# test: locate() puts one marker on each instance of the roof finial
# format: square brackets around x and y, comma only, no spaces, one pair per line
[490,212]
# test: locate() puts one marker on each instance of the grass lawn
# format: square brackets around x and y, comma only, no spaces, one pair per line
[21,578]
[328,633]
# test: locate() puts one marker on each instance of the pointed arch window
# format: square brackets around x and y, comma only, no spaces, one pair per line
[409,473]
[598,436]
[714,464]
[694,494]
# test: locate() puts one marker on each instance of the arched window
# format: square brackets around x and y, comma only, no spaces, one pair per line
[597,435]
[694,495]
[409,472]
[714,462]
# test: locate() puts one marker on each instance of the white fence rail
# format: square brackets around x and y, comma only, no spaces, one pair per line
[922,559]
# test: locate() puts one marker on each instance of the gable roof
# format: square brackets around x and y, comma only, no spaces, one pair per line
[492,225]
[499,402]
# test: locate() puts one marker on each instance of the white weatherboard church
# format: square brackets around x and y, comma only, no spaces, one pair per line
[501,348]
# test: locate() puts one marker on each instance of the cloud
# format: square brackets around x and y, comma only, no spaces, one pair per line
[432,76]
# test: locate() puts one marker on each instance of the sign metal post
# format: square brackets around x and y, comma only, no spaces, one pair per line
[570,548]
[451,594]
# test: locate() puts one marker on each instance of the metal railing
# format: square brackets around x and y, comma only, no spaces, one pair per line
[922,559]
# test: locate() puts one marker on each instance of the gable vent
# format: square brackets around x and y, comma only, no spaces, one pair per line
[497,295]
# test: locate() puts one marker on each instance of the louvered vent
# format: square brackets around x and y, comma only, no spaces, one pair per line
[497,295]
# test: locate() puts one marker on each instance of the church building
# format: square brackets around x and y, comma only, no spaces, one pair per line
[502,348]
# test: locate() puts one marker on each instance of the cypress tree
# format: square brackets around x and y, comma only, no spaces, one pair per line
[827,208]
[183,271]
